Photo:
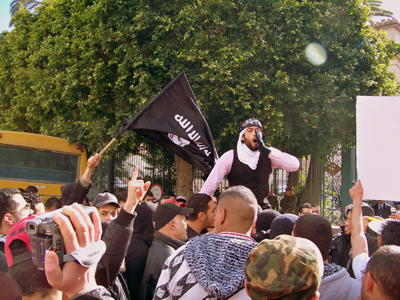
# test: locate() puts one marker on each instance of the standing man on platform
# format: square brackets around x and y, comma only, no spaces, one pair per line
[250,164]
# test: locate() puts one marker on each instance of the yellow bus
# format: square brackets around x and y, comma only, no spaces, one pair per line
[45,162]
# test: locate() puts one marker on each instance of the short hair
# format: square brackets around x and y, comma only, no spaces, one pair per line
[6,205]
[199,202]
[53,201]
[120,197]
[305,205]
[317,229]
[31,189]
[148,193]
[37,282]
[390,233]
[314,205]
[240,205]
[383,268]
[32,199]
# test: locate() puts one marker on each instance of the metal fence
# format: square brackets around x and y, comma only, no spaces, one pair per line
[313,183]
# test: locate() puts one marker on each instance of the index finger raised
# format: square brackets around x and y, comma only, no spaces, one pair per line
[134,175]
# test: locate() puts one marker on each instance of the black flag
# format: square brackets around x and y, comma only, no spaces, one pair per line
[173,120]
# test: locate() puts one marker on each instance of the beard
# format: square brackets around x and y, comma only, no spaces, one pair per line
[249,144]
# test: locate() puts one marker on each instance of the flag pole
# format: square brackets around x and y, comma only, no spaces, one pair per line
[108,146]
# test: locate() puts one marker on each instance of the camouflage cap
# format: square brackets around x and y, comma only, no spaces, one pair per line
[286,267]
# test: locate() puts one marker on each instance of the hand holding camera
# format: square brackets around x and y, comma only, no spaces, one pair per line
[78,233]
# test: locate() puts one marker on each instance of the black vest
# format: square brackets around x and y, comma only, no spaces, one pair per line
[257,180]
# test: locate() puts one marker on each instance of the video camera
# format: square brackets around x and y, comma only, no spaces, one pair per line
[44,234]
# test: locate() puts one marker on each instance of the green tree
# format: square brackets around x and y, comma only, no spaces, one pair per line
[79,68]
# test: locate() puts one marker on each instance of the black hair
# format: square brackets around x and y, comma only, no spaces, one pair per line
[53,202]
[305,205]
[31,189]
[32,199]
[390,233]
[199,202]
[383,268]
[317,229]
[7,205]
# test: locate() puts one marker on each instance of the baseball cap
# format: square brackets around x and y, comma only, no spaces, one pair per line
[104,199]
[183,204]
[366,210]
[17,232]
[167,211]
[181,199]
[284,267]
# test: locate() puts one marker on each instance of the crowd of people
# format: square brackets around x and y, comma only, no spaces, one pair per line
[239,246]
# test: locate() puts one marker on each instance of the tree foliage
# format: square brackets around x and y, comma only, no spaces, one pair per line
[78,69]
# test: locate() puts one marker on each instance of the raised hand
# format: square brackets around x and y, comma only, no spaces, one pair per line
[262,148]
[136,191]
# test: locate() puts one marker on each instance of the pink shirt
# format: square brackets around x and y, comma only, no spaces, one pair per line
[279,160]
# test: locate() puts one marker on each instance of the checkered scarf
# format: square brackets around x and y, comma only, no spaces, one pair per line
[217,262]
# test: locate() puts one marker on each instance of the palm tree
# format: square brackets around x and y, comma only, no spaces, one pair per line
[17,5]
[376,10]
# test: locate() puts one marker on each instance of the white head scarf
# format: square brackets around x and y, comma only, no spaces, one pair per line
[245,155]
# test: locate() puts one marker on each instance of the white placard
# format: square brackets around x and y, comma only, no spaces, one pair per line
[378,146]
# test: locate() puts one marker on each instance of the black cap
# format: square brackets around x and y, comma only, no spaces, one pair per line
[166,212]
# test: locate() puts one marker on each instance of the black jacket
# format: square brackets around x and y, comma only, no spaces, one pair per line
[385,212]
[142,237]
[117,237]
[163,246]
[341,250]
[74,192]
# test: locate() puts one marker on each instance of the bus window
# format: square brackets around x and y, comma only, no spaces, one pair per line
[45,162]
[35,165]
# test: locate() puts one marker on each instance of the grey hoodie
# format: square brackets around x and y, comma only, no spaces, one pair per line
[339,286]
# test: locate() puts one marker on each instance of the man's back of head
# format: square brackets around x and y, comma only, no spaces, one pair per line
[52,203]
[381,277]
[32,189]
[284,268]
[317,229]
[236,210]
[390,233]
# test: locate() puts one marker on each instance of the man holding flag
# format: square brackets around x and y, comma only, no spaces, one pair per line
[250,164]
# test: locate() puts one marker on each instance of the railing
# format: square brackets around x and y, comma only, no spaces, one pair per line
[313,183]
